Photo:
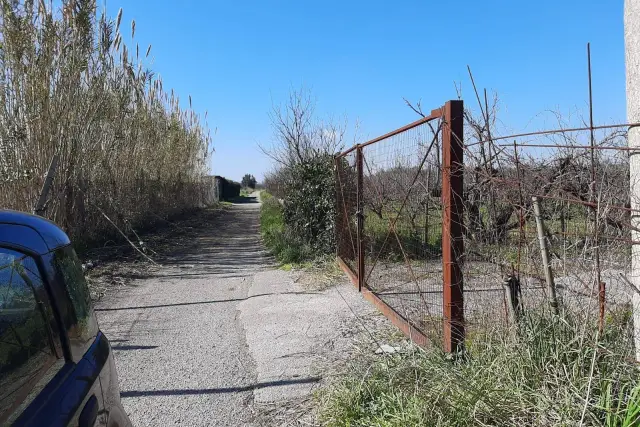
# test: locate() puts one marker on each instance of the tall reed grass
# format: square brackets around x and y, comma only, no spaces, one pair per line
[70,86]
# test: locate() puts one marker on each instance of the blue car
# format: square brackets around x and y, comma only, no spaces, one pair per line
[56,367]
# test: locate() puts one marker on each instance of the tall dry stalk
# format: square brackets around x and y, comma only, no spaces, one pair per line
[70,86]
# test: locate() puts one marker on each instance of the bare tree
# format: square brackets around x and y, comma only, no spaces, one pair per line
[298,136]
[303,150]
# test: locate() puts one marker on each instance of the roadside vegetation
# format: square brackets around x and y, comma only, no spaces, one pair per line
[284,244]
[129,153]
[298,212]
[550,371]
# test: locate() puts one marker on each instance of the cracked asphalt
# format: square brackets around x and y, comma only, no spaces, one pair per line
[180,350]
[216,330]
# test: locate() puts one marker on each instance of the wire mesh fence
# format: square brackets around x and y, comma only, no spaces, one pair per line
[410,230]
[347,205]
[582,184]
[390,223]
[403,224]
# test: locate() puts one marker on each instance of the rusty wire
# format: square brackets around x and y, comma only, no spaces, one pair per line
[346,193]
[401,212]
[585,209]
[553,131]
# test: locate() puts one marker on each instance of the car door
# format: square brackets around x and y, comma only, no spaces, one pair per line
[41,382]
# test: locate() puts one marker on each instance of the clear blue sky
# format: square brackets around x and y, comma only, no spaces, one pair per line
[360,58]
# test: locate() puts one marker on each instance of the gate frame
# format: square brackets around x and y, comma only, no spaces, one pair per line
[452,233]
[452,246]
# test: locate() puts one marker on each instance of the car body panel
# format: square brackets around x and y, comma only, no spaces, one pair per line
[62,400]
[44,237]
[85,376]
[116,416]
[23,238]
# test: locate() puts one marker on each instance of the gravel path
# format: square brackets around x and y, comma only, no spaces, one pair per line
[216,334]
[180,349]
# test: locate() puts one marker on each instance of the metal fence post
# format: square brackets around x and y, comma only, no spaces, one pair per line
[360,217]
[338,227]
[452,216]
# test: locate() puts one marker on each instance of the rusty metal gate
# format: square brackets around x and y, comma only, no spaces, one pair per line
[399,225]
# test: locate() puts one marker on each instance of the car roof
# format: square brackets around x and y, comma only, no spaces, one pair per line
[31,232]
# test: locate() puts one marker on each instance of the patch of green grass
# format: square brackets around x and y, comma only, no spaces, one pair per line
[281,241]
[550,372]
[410,236]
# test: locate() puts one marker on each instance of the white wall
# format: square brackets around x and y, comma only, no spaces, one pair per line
[632,58]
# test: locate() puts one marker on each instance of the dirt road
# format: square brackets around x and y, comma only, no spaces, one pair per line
[216,329]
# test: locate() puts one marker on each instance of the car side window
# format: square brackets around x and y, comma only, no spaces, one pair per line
[30,349]
[82,327]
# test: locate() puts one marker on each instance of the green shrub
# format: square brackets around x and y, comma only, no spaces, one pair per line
[248,181]
[309,204]
[306,222]
[285,245]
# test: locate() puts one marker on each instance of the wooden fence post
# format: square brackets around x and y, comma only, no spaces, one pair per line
[544,250]
[511,287]
[41,205]
[452,217]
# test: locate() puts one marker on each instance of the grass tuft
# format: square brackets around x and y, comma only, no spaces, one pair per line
[548,373]
[285,246]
